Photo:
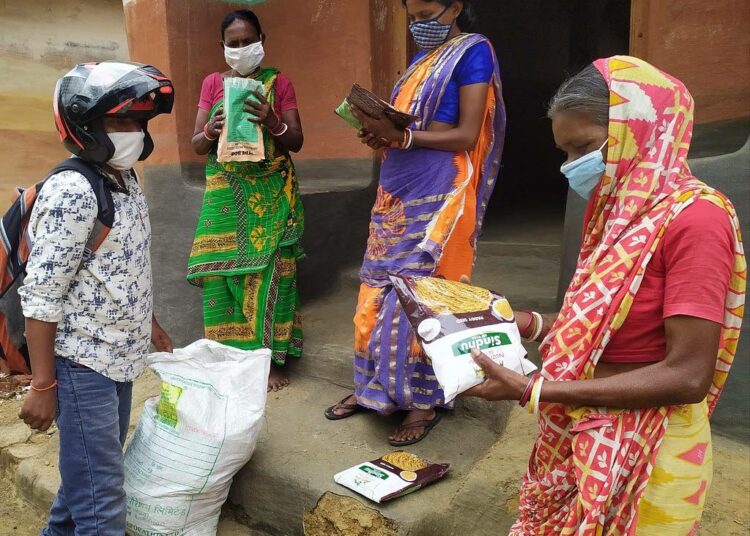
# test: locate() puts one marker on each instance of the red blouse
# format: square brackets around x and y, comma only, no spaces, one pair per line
[688,275]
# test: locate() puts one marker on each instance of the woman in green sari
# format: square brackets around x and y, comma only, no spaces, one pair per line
[247,241]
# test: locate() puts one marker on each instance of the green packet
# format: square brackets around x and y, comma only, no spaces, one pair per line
[236,92]
[345,112]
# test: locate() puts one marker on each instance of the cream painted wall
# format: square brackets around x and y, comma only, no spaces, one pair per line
[40,40]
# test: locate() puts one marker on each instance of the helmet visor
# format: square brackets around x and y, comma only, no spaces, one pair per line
[119,89]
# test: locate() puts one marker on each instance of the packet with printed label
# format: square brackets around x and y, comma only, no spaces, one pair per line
[391,476]
[451,319]
[240,140]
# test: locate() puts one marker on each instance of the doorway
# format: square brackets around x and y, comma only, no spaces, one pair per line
[539,43]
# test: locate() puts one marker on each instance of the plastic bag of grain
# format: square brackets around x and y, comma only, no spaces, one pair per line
[451,319]
[390,476]
[193,437]
[241,140]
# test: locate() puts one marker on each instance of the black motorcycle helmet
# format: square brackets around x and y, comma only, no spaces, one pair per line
[92,91]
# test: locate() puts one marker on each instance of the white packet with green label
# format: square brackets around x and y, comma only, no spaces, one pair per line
[451,319]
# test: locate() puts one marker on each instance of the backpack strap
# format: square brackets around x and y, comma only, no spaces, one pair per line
[103,192]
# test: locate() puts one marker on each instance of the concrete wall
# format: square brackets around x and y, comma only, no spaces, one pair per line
[705,44]
[39,42]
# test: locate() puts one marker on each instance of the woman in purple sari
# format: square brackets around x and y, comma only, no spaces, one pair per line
[435,182]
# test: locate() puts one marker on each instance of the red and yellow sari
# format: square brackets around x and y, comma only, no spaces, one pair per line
[600,470]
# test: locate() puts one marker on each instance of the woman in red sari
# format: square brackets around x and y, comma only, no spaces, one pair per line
[635,361]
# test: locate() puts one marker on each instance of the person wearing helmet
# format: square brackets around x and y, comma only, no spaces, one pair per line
[89,316]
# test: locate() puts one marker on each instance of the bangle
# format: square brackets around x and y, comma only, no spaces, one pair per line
[43,389]
[280,130]
[206,134]
[405,142]
[525,329]
[536,393]
[540,326]
[533,327]
[527,392]
[538,323]
[531,396]
[408,141]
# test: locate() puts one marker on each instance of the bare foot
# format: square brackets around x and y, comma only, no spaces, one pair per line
[277,380]
[408,434]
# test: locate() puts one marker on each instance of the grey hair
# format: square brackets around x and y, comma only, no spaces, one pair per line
[586,93]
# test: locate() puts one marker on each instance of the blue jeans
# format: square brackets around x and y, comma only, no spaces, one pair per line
[93,413]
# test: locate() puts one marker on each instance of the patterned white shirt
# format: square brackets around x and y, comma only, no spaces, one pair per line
[103,309]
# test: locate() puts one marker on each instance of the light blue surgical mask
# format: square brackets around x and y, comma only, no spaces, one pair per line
[429,34]
[585,173]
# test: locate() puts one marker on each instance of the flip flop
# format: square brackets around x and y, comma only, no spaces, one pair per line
[351,409]
[426,424]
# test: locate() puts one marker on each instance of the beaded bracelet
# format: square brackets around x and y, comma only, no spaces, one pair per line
[43,389]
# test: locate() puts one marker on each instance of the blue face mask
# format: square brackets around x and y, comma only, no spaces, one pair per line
[585,173]
[429,34]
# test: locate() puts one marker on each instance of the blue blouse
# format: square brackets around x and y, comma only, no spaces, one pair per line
[475,67]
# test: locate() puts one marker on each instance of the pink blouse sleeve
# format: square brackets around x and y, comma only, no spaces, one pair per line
[286,99]
[212,91]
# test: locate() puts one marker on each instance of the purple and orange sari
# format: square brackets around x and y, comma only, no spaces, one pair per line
[426,220]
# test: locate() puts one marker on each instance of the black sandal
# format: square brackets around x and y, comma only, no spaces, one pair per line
[350,408]
[426,424]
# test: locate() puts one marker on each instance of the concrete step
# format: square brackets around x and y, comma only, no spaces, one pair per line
[300,451]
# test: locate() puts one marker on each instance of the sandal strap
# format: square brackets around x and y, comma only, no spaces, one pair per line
[341,404]
[418,424]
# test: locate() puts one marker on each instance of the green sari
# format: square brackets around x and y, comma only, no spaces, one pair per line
[246,249]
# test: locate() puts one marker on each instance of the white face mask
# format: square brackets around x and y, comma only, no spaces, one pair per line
[246,59]
[128,149]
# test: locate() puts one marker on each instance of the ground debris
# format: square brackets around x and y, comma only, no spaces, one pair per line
[12,385]
[337,515]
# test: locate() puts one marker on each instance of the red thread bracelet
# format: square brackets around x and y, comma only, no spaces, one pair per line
[43,389]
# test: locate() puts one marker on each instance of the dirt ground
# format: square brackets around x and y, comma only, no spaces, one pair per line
[727,512]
